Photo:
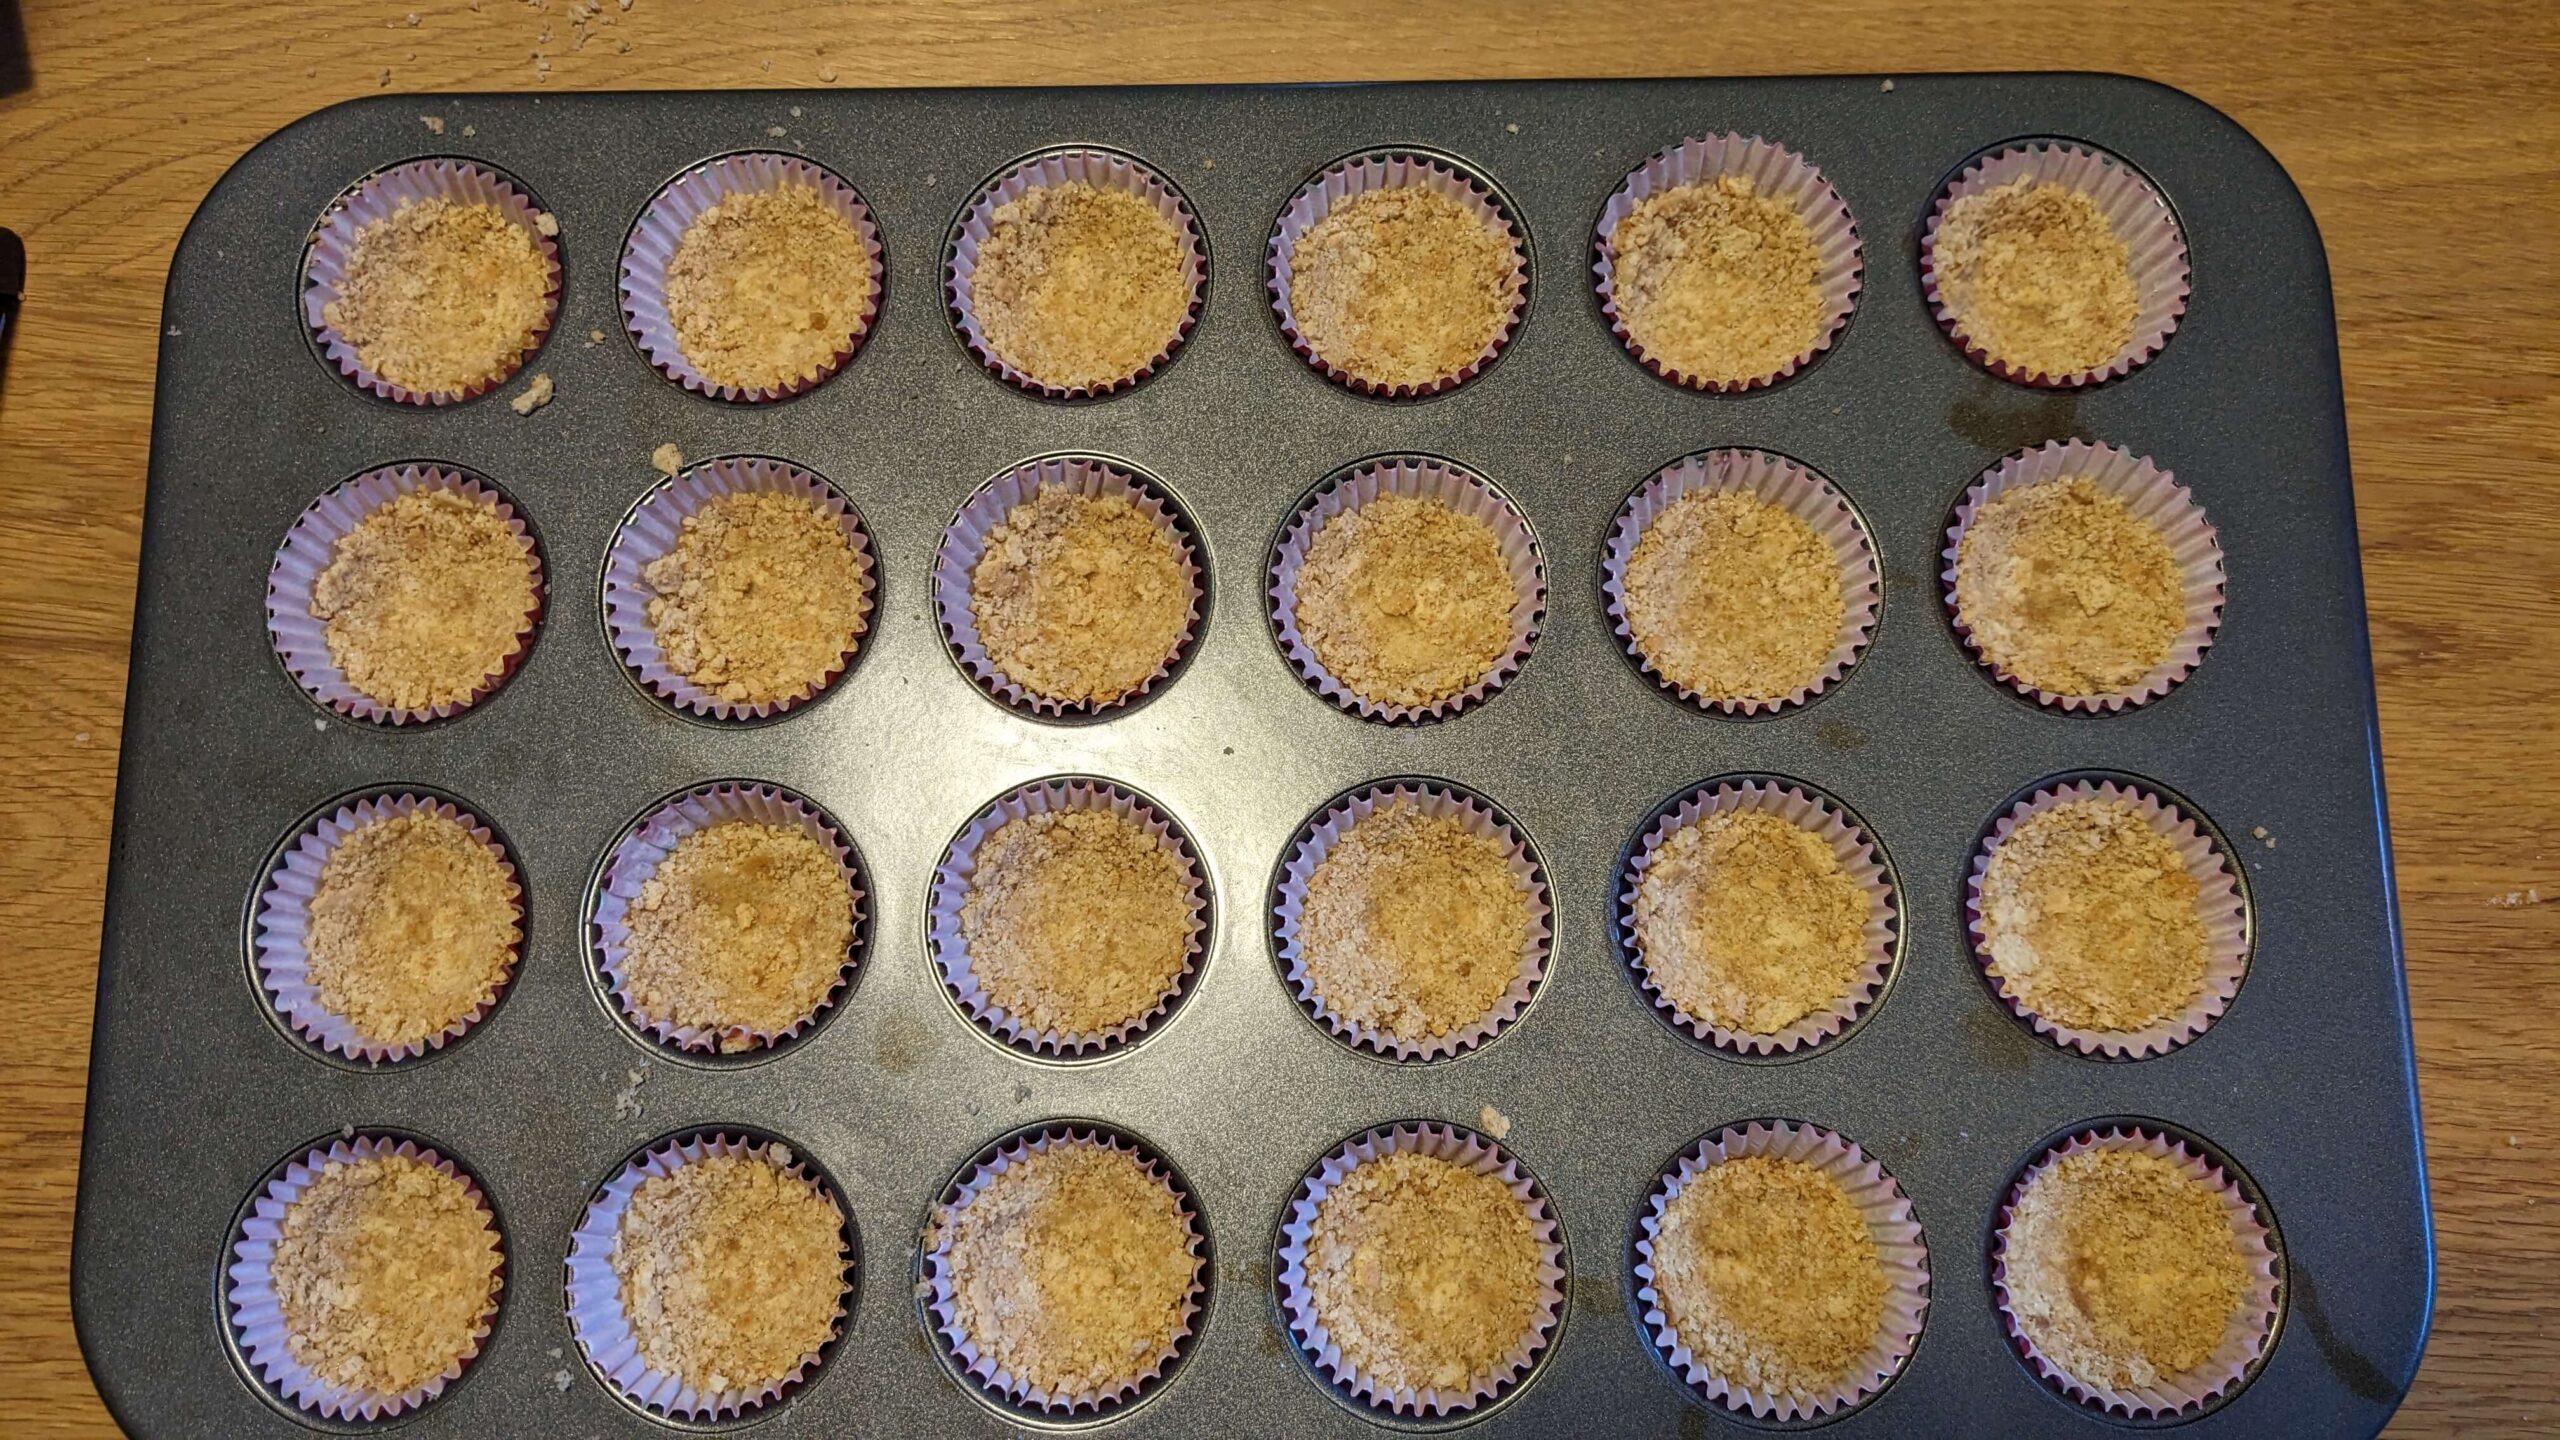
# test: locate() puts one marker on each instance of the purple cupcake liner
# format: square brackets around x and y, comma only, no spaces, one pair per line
[2158,500]
[952,883]
[1900,1247]
[652,530]
[1775,172]
[2245,1337]
[2135,210]
[2219,909]
[1298,871]
[1458,1146]
[651,841]
[1860,860]
[284,923]
[375,198]
[603,1327]
[1389,170]
[964,543]
[939,1286]
[1413,477]
[301,639]
[1797,489]
[257,1317]
[1103,170]
[661,228]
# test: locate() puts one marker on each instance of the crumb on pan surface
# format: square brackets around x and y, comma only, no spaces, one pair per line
[1403,286]
[1079,598]
[743,929]
[2064,587]
[441,295]
[1734,598]
[1405,601]
[2036,277]
[1747,921]
[2090,918]
[1080,285]
[1717,281]
[730,1270]
[384,1268]
[1424,1273]
[412,928]
[1770,1276]
[760,599]
[425,599]
[1413,924]
[1077,921]
[767,287]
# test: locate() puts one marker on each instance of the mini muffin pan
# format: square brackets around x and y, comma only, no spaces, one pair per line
[2302,1090]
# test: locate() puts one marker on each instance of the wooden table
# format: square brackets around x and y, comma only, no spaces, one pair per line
[2424,134]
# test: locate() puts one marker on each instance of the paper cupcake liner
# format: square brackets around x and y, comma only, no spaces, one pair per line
[595,1310]
[1796,489]
[284,923]
[654,838]
[939,1287]
[1458,1146]
[257,1317]
[324,264]
[2159,501]
[661,228]
[301,639]
[1901,1248]
[951,885]
[652,530]
[964,543]
[1860,860]
[1413,477]
[1389,170]
[2219,908]
[1776,173]
[2135,210]
[2244,1339]
[1445,802]
[1103,170]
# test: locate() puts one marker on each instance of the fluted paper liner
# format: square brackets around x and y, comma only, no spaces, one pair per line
[376,197]
[1860,861]
[1471,1151]
[257,1317]
[952,881]
[1414,477]
[2219,908]
[1776,173]
[595,1310]
[652,530]
[1438,802]
[284,926]
[939,1287]
[964,543]
[1900,1247]
[2157,500]
[1103,170]
[301,639]
[2156,250]
[661,228]
[2244,1337]
[1798,490]
[1389,170]
[652,840]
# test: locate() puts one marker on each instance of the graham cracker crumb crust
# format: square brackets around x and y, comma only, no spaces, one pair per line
[1403,286]
[743,929]
[425,599]
[1413,925]
[442,295]
[731,1271]
[414,927]
[1405,601]
[2090,918]
[1770,1276]
[1747,921]
[1070,1269]
[1079,599]
[2065,588]
[760,600]
[1077,921]
[384,1268]
[1079,285]
[2122,1269]
[2036,277]
[767,288]
[1424,1272]
[1733,598]
[1717,281]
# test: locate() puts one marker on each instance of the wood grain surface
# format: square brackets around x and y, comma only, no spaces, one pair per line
[2426,135]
